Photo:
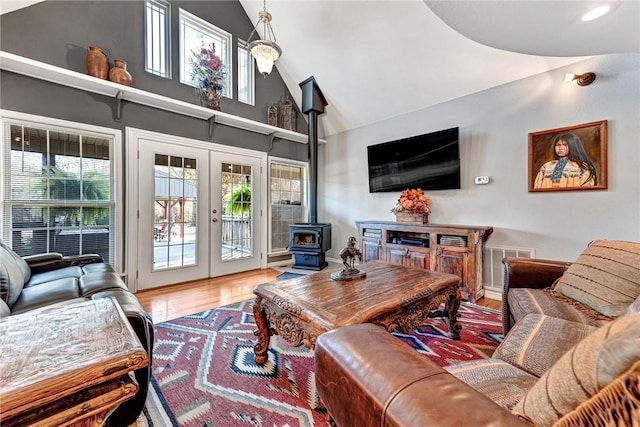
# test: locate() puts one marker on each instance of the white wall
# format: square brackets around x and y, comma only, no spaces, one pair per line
[494,127]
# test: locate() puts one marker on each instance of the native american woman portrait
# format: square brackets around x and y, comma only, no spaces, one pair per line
[570,167]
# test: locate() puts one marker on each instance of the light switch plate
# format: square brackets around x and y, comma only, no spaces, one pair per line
[481,180]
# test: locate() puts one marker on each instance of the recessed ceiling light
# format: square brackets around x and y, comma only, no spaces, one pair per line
[595,13]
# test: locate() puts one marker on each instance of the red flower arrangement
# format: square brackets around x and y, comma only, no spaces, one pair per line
[208,69]
[413,201]
[208,73]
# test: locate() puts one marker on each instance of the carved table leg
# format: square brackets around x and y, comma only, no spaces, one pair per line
[263,333]
[453,303]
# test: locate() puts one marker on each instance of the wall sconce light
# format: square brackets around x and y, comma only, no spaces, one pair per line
[582,79]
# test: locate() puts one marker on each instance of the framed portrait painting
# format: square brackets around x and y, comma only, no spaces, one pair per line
[568,159]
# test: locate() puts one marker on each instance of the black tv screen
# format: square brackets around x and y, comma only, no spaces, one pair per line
[430,161]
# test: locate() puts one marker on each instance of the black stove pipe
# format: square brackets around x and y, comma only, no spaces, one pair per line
[313,103]
[313,167]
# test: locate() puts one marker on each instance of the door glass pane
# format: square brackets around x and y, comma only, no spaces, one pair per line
[237,241]
[174,223]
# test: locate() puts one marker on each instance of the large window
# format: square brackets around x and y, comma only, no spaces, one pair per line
[246,75]
[194,33]
[288,200]
[58,190]
[158,38]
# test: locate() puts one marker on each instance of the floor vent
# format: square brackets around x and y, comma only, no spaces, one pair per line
[493,274]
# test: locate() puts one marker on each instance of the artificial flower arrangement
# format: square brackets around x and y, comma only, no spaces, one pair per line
[412,201]
[208,72]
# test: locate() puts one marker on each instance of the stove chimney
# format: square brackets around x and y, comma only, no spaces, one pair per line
[313,103]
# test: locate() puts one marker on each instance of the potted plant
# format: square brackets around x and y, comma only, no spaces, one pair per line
[240,202]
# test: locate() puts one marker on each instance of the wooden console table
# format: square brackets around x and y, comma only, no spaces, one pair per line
[454,249]
[67,364]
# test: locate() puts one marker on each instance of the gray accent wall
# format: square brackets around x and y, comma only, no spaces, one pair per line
[59,32]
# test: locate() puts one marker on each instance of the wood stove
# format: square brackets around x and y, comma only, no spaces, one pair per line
[309,242]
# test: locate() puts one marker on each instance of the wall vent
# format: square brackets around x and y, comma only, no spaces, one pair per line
[493,274]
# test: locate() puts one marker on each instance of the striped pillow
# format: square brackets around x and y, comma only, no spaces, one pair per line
[606,277]
[583,371]
[533,345]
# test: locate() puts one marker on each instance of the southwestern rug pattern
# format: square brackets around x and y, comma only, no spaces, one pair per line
[204,374]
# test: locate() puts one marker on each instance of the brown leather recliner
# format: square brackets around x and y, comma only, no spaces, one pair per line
[594,289]
[40,280]
[365,376]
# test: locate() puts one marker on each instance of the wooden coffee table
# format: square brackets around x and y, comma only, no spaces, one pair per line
[67,364]
[396,297]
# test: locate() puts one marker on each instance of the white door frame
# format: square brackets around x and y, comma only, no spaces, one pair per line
[133,136]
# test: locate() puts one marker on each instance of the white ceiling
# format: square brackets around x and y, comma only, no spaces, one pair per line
[7,6]
[376,59]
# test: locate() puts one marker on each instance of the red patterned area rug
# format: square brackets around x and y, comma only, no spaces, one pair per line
[204,374]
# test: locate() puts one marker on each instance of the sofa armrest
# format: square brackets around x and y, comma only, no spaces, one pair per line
[528,273]
[366,376]
[53,261]
[41,259]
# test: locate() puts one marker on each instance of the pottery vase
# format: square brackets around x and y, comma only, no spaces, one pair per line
[209,97]
[97,63]
[119,73]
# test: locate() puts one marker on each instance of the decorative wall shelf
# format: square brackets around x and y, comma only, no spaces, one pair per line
[51,73]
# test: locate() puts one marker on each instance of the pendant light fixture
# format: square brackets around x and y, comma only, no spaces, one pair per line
[266,51]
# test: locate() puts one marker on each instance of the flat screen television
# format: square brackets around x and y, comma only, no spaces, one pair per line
[430,161]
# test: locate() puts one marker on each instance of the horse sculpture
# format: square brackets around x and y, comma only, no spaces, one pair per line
[350,253]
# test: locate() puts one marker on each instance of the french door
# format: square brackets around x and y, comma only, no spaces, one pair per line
[199,211]
[235,213]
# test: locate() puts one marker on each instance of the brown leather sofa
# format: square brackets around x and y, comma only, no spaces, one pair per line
[571,356]
[40,280]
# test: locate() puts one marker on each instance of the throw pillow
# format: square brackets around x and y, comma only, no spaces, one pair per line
[14,273]
[533,345]
[583,371]
[606,277]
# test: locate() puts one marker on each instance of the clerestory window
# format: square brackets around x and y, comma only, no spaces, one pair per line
[157,24]
[196,32]
[246,74]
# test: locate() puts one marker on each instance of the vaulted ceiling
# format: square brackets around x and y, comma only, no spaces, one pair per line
[376,59]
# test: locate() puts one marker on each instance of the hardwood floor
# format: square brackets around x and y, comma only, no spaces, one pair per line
[171,302]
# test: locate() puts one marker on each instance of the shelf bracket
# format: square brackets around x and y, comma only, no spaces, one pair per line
[119,106]
[270,138]
[212,125]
